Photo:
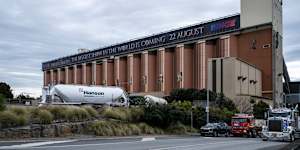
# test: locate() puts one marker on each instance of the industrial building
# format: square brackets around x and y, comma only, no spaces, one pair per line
[239,55]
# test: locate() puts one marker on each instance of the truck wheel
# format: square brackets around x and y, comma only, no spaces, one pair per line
[253,134]
[215,133]
[292,137]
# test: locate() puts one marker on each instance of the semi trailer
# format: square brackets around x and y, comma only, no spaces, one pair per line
[78,95]
[282,124]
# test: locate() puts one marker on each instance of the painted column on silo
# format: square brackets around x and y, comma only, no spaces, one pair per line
[130,72]
[199,46]
[117,71]
[75,74]
[145,71]
[45,77]
[161,69]
[94,73]
[104,72]
[83,73]
[179,55]
[51,77]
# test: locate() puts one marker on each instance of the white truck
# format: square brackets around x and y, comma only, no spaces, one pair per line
[282,124]
[78,95]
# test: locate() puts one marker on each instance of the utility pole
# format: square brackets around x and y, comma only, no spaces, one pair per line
[207,106]
[191,119]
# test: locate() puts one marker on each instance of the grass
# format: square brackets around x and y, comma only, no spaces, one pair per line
[115,128]
[134,114]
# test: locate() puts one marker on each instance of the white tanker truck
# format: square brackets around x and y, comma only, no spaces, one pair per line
[78,95]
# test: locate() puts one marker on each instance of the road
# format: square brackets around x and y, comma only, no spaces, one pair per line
[148,143]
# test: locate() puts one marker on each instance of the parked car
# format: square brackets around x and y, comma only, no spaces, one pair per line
[215,129]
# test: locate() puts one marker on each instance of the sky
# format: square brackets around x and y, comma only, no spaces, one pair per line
[34,31]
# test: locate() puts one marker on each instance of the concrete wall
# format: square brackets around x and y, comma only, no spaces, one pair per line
[255,12]
[234,77]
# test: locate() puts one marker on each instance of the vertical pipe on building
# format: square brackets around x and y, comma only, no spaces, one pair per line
[94,72]
[104,82]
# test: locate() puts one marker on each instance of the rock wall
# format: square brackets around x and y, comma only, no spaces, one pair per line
[51,130]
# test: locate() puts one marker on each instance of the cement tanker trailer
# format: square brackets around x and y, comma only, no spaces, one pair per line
[78,95]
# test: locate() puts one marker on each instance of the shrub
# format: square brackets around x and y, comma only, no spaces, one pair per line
[136,100]
[18,110]
[2,103]
[58,112]
[101,128]
[177,128]
[146,129]
[77,114]
[8,119]
[190,95]
[136,114]
[92,112]
[42,116]
[182,105]
[259,109]
[121,113]
[163,115]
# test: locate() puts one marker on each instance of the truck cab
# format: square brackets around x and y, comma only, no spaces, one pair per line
[243,125]
[282,124]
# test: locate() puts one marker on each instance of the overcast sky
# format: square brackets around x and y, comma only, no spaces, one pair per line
[34,31]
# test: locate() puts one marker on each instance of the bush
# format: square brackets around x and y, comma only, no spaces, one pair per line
[190,95]
[18,110]
[136,114]
[259,109]
[133,114]
[115,128]
[163,116]
[8,119]
[58,112]
[42,116]
[77,114]
[92,112]
[2,103]
[115,113]
[177,128]
[137,100]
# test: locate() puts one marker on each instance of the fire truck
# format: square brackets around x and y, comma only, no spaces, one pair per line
[244,125]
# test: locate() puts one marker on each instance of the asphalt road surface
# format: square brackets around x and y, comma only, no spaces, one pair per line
[148,143]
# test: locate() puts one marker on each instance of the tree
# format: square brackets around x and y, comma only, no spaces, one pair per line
[24,97]
[190,95]
[259,109]
[2,102]
[5,90]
